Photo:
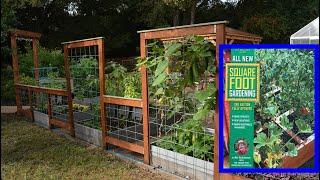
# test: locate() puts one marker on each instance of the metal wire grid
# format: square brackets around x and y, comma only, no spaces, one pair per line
[59,106]
[85,85]
[24,95]
[125,123]
[37,100]
[171,151]
[50,77]
[40,102]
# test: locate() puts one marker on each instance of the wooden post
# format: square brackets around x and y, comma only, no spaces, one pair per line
[220,38]
[102,91]
[145,102]
[49,109]
[35,46]
[15,67]
[30,103]
[67,71]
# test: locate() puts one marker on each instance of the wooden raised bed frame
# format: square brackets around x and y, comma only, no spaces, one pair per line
[216,32]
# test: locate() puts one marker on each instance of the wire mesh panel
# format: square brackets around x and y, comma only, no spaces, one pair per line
[40,102]
[125,123]
[59,106]
[182,100]
[84,78]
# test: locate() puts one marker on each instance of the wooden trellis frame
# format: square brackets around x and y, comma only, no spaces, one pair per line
[216,32]
[14,34]
[105,99]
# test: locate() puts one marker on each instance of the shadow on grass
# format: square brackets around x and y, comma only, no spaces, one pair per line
[32,152]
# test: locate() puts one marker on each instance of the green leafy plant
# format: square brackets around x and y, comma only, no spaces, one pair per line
[27,80]
[7,86]
[85,78]
[120,82]
[47,58]
[292,71]
[53,81]
[175,67]
[271,148]
[190,139]
[288,74]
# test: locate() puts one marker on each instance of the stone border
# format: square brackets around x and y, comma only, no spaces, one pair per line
[91,135]
[41,119]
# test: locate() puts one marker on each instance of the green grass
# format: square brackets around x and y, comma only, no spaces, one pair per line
[31,152]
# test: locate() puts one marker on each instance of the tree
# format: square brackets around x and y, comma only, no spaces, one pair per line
[179,6]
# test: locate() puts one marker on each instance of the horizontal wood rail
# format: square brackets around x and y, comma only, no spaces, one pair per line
[175,33]
[305,152]
[82,43]
[59,123]
[122,101]
[59,92]
[124,144]
[24,34]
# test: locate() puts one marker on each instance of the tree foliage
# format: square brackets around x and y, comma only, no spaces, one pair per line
[118,20]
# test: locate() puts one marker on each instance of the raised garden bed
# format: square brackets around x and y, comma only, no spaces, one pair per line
[91,135]
[41,119]
[180,164]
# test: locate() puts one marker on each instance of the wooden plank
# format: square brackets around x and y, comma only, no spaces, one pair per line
[206,36]
[15,67]
[25,34]
[175,33]
[59,123]
[125,145]
[220,38]
[230,31]
[101,53]
[49,110]
[59,92]
[145,101]
[69,92]
[30,104]
[93,42]
[122,101]
[35,46]
[305,152]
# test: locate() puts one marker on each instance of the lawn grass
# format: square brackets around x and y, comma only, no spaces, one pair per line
[32,152]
